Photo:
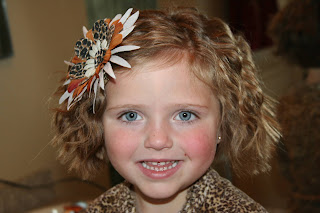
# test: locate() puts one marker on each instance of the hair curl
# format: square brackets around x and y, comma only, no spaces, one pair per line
[218,58]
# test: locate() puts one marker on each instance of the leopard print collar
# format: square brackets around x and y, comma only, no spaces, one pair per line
[211,193]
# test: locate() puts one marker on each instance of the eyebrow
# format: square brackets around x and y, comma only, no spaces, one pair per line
[129,106]
[139,106]
[187,105]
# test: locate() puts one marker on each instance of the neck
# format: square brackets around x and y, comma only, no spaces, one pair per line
[313,76]
[146,204]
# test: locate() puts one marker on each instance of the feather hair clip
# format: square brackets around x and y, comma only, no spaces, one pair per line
[91,66]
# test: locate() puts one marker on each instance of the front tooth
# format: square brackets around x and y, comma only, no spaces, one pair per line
[161,164]
[145,165]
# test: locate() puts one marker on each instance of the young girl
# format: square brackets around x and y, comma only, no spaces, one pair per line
[160,95]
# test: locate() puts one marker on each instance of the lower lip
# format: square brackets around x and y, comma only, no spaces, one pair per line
[159,174]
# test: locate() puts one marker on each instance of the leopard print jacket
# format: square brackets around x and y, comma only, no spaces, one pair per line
[211,193]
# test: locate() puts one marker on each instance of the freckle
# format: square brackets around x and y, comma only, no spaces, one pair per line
[185,154]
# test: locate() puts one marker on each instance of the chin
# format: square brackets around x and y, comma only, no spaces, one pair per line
[162,193]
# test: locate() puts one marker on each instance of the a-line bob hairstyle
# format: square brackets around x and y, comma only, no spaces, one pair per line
[217,57]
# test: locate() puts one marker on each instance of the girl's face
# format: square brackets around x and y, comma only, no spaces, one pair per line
[160,128]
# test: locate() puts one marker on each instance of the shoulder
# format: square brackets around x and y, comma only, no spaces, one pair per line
[219,195]
[232,198]
[116,199]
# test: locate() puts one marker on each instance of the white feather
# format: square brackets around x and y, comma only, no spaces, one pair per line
[120,61]
[98,45]
[90,61]
[92,53]
[124,48]
[117,17]
[131,20]
[104,44]
[89,66]
[93,80]
[70,100]
[101,79]
[95,88]
[85,31]
[68,63]
[90,72]
[108,69]
[64,97]
[125,16]
[67,82]
[126,32]
[94,48]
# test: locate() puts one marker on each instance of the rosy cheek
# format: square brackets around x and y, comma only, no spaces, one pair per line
[120,142]
[198,144]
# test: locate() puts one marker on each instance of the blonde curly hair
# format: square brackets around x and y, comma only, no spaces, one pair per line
[218,58]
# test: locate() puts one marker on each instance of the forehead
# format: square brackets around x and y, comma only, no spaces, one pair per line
[158,83]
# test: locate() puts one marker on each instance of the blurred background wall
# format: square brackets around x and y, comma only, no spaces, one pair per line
[43,34]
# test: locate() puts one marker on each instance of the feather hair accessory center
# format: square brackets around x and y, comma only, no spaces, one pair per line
[91,67]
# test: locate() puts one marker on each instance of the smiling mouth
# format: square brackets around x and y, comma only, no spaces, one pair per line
[159,166]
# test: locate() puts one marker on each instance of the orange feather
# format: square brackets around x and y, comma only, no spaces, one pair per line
[74,84]
[107,21]
[107,56]
[118,28]
[90,35]
[89,84]
[76,60]
[79,89]
[115,41]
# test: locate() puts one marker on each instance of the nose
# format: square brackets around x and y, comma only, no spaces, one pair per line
[158,137]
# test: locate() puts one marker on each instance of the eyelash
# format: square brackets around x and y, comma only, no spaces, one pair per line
[188,121]
[125,113]
[182,121]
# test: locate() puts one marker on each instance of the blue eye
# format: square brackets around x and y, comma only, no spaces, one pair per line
[185,116]
[131,116]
